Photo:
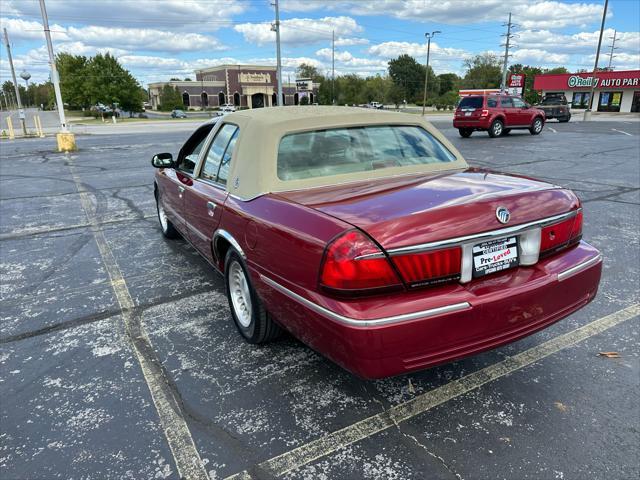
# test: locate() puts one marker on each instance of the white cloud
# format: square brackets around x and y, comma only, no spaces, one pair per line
[582,42]
[173,14]
[346,59]
[346,42]
[529,13]
[144,39]
[417,50]
[532,56]
[299,30]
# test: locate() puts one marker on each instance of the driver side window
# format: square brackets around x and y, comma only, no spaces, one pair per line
[518,103]
[189,153]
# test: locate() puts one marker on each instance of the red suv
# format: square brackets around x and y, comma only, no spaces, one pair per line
[497,115]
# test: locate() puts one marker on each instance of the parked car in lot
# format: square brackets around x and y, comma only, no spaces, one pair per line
[229,107]
[376,105]
[225,109]
[555,106]
[367,236]
[178,114]
[497,115]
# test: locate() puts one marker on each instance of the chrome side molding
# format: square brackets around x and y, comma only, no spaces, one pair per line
[352,322]
[579,267]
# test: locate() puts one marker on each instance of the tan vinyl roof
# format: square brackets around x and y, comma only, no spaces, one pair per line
[254,169]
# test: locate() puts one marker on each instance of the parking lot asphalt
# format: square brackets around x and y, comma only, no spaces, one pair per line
[119,359]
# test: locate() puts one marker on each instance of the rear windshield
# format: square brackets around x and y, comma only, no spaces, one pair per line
[339,151]
[471,102]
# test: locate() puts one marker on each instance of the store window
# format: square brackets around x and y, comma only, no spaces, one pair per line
[609,101]
[580,100]
[635,104]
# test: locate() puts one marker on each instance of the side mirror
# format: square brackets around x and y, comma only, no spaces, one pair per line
[162,160]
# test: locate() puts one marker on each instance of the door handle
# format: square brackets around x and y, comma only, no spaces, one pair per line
[211,207]
[180,191]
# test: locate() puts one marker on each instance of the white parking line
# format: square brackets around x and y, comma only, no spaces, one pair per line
[175,428]
[552,129]
[332,442]
[620,131]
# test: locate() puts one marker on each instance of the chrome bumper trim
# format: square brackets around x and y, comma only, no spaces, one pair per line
[451,242]
[364,323]
[578,268]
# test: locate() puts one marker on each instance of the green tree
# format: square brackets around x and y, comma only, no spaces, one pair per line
[483,71]
[110,83]
[396,94]
[306,70]
[170,98]
[448,82]
[408,73]
[74,80]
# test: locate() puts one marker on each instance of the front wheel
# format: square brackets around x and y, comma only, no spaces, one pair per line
[495,130]
[536,126]
[168,230]
[465,132]
[249,315]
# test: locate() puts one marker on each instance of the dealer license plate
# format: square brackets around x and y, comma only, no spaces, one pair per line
[495,256]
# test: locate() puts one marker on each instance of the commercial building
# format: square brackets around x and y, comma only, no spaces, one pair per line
[614,91]
[249,86]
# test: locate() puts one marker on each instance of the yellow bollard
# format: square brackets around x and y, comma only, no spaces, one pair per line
[12,134]
[66,142]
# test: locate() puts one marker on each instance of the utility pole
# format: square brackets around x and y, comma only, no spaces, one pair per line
[66,139]
[587,112]
[426,70]
[276,27]
[613,47]
[333,67]
[503,84]
[15,85]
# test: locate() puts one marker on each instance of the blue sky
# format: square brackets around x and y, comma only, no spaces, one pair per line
[159,39]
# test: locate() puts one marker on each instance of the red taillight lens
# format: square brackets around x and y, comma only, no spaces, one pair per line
[430,268]
[353,262]
[484,113]
[560,235]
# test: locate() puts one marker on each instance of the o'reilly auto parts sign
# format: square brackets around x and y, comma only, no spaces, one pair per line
[576,81]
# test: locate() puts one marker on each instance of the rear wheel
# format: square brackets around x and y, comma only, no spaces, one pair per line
[168,230]
[506,131]
[496,128]
[465,132]
[249,315]
[564,120]
[536,126]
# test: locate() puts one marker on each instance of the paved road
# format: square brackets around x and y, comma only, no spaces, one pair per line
[77,361]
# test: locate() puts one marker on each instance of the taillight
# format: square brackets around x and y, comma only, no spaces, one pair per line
[430,268]
[354,264]
[484,113]
[561,235]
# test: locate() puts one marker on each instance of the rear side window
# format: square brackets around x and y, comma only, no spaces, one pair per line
[506,102]
[357,149]
[471,102]
[492,102]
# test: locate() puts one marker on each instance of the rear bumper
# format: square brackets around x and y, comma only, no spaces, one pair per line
[479,123]
[381,337]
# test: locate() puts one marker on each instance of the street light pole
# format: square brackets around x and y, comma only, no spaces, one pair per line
[15,85]
[587,112]
[66,139]
[426,70]
[279,60]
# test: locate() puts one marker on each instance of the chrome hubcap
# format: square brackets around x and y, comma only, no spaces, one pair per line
[497,128]
[240,295]
[162,216]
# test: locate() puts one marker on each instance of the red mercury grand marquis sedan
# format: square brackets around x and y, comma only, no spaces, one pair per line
[366,235]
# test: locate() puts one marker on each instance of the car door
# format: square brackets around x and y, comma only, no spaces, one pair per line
[174,181]
[522,111]
[206,196]
[510,116]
